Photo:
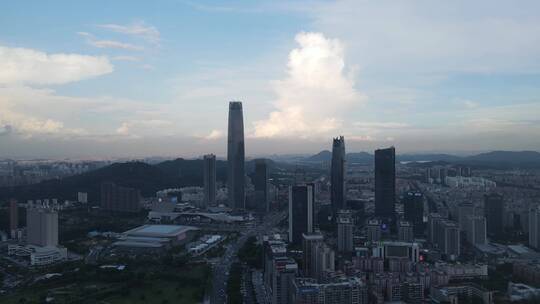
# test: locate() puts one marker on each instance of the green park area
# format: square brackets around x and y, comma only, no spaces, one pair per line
[143,284]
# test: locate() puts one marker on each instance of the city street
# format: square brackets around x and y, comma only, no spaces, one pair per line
[222,268]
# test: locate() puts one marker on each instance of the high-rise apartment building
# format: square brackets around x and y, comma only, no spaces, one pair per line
[433,227]
[449,239]
[119,199]
[301,210]
[13,217]
[464,210]
[337,174]
[494,213]
[534,227]
[385,182]
[405,231]
[272,249]
[236,157]
[209,180]
[345,226]
[284,272]
[443,173]
[322,261]
[412,293]
[475,229]
[373,230]
[260,183]
[413,207]
[42,227]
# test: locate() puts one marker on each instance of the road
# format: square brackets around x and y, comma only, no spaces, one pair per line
[222,267]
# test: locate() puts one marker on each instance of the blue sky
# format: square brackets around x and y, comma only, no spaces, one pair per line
[137,78]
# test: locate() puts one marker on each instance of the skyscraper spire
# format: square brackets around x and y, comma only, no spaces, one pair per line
[236,157]
[337,174]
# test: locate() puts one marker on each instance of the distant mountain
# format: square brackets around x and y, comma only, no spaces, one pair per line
[501,159]
[508,156]
[322,156]
[189,172]
[427,157]
[326,156]
[145,177]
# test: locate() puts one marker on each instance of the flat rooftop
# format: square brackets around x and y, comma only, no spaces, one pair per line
[159,230]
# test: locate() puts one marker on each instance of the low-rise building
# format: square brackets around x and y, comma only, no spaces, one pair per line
[155,237]
[38,256]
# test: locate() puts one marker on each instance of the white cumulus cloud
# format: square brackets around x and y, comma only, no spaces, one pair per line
[28,66]
[316,92]
[214,134]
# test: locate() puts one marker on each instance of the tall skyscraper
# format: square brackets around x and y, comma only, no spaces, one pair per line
[413,207]
[385,182]
[119,199]
[534,227]
[337,174]
[301,209]
[236,157]
[494,212]
[345,225]
[42,227]
[209,182]
[13,217]
[260,182]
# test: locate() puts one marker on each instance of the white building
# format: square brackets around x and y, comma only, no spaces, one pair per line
[522,292]
[39,256]
[390,249]
[469,182]
[42,227]
[82,197]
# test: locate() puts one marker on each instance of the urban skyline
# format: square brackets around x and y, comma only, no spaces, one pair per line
[184,151]
[464,94]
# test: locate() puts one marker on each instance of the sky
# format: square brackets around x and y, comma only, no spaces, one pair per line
[98,79]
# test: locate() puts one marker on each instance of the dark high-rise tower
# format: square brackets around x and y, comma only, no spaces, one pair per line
[260,181]
[13,216]
[301,209]
[337,174]
[385,181]
[494,212]
[209,177]
[235,157]
[413,207]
